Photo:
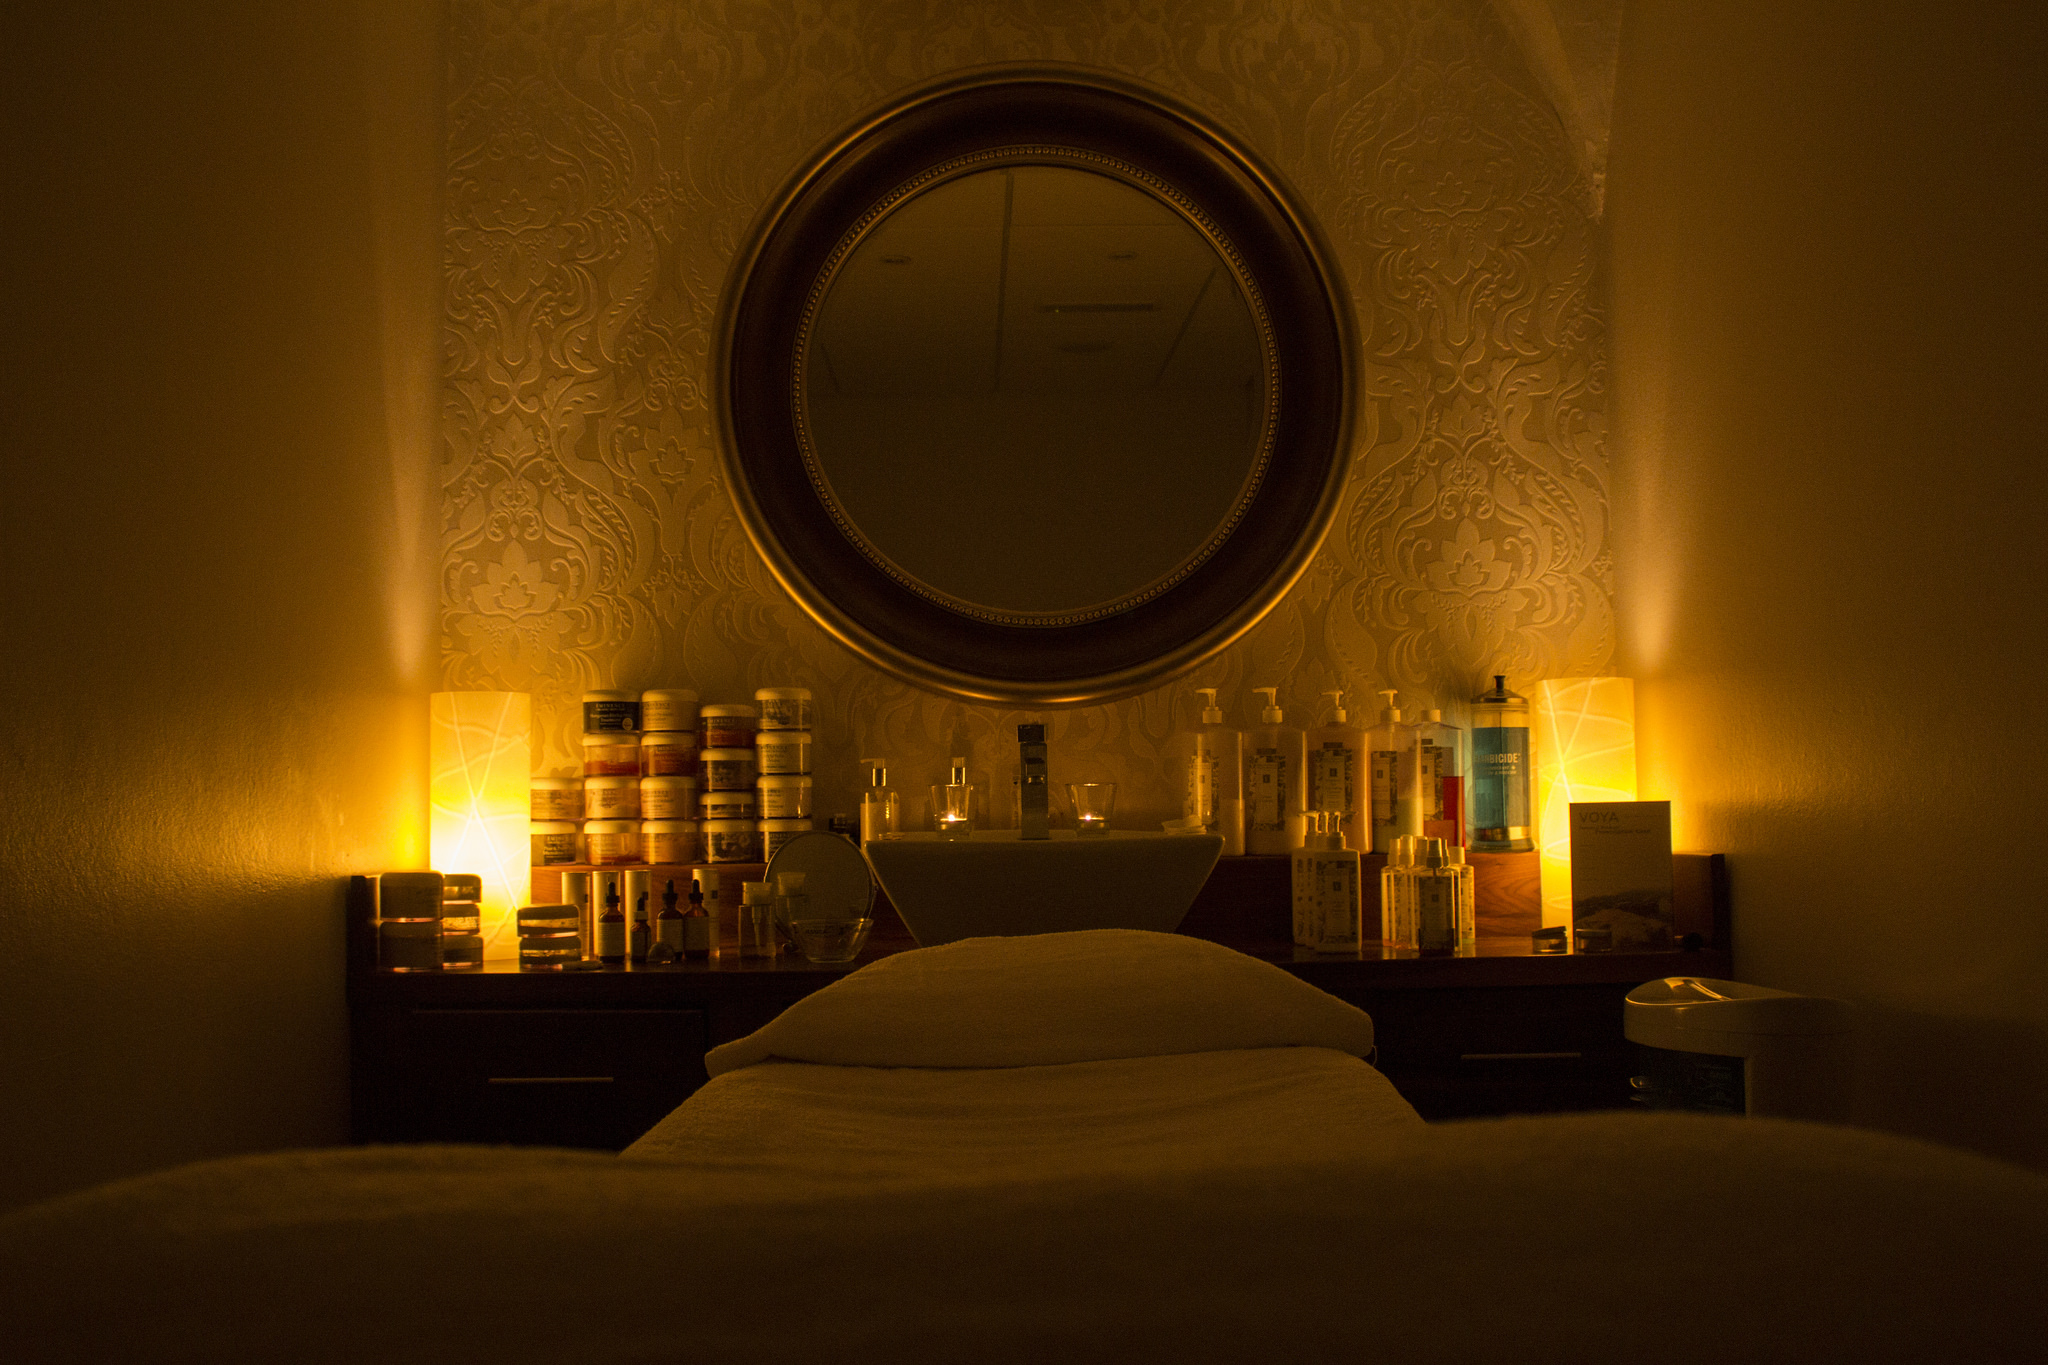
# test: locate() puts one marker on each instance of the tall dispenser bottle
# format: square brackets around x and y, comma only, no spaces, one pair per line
[1337,775]
[1440,769]
[1215,803]
[1501,808]
[1396,795]
[1275,786]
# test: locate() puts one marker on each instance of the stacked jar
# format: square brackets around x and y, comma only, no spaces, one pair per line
[732,832]
[611,778]
[669,769]
[782,759]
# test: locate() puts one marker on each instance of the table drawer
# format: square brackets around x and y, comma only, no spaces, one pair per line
[555,1077]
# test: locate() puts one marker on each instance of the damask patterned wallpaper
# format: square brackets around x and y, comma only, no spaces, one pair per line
[605,158]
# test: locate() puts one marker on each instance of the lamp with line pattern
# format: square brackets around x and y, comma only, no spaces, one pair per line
[481,767]
[1585,751]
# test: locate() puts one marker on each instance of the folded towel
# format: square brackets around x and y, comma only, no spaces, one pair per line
[1045,999]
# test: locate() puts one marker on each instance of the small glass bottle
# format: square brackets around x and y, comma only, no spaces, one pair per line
[757,920]
[1397,896]
[1500,771]
[953,804]
[668,928]
[611,929]
[698,926]
[640,932]
[1436,900]
[880,811]
[1468,902]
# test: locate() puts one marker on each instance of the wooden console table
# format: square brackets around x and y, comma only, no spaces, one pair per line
[594,1058]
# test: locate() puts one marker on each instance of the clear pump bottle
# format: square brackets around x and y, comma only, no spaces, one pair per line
[1397,895]
[1275,787]
[1440,771]
[1215,801]
[1436,899]
[1396,804]
[953,804]
[1337,775]
[1326,883]
[1500,819]
[881,812]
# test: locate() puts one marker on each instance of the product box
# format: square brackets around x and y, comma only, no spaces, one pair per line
[1621,873]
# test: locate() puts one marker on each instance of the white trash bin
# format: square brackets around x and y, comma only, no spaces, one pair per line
[1730,1048]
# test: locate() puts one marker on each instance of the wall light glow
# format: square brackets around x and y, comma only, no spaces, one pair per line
[1585,751]
[482,769]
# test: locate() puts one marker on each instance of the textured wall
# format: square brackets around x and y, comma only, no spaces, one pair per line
[219,377]
[604,159]
[1830,475]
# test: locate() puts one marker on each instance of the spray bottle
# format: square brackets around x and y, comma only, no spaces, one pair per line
[1215,803]
[1337,775]
[1275,789]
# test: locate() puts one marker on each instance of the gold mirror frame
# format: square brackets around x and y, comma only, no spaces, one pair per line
[1035,115]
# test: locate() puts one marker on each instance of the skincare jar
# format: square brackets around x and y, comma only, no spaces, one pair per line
[556,798]
[784,708]
[607,753]
[669,753]
[732,841]
[671,843]
[555,842]
[668,708]
[726,726]
[729,806]
[668,798]
[783,751]
[611,711]
[776,833]
[612,843]
[727,770]
[785,796]
[611,798]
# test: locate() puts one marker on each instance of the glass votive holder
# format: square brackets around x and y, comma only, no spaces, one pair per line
[953,810]
[1094,803]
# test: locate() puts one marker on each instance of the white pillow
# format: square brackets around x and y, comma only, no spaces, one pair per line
[1046,999]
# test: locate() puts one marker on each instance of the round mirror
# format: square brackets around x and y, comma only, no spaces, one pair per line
[1064,368]
[1037,388]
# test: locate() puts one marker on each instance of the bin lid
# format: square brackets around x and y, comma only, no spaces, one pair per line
[1699,1003]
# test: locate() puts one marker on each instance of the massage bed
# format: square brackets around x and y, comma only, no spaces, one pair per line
[1075,1147]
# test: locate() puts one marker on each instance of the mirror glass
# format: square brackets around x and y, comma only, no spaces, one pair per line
[1034,394]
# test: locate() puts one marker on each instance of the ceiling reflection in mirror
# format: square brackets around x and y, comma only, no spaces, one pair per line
[1035,394]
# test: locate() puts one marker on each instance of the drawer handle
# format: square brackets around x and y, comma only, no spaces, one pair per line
[1519,1056]
[549,1080]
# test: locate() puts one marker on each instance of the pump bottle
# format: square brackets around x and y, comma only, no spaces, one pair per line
[1215,803]
[1436,899]
[1396,795]
[1326,884]
[1337,775]
[880,811]
[1275,788]
[1440,767]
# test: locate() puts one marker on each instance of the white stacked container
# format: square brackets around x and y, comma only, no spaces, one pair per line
[782,758]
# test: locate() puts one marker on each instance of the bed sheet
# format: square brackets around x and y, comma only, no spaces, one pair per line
[825,1124]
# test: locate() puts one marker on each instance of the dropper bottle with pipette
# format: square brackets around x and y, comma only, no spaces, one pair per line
[1275,787]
